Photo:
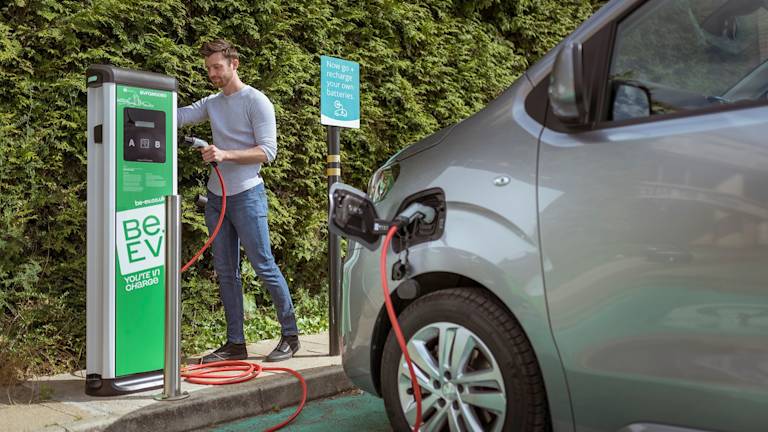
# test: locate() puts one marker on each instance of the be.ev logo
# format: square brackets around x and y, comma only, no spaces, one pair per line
[140,234]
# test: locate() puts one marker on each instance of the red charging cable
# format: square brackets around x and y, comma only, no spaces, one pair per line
[219,373]
[218,224]
[395,326]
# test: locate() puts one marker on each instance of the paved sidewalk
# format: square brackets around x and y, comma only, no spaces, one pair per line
[59,403]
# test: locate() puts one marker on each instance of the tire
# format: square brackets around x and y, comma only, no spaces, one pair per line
[509,397]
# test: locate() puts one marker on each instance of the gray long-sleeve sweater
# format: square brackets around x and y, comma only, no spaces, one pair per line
[239,121]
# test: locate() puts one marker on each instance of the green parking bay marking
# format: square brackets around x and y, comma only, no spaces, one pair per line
[142,182]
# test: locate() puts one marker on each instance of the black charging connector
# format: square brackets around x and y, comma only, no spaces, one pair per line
[424,229]
[414,212]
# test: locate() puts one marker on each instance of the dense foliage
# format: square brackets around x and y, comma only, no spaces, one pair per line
[424,64]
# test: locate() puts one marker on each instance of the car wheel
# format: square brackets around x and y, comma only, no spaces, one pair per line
[475,367]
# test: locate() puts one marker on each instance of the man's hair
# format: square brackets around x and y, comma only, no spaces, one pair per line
[221,46]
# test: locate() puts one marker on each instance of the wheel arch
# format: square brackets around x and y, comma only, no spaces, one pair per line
[429,282]
[544,350]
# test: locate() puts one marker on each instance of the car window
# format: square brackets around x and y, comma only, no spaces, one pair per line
[677,55]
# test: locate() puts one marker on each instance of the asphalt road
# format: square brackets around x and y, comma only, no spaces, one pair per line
[350,412]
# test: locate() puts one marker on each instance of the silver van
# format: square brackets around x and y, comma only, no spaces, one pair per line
[598,257]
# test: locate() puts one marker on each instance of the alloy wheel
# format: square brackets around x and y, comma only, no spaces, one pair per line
[461,383]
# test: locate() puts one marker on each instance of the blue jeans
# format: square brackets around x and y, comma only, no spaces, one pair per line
[246,221]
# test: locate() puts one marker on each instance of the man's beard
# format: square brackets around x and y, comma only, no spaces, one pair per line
[221,82]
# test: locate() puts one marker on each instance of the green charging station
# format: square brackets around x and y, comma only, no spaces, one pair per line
[131,168]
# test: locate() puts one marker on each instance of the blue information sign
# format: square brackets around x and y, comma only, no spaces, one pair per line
[339,92]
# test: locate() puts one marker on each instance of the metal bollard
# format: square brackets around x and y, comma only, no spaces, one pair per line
[172,370]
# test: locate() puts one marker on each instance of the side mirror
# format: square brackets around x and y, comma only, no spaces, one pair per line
[568,94]
[630,101]
[353,215]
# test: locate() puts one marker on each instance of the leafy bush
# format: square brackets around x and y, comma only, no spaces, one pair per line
[424,65]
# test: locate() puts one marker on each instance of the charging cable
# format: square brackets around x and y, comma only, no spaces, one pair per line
[414,213]
[199,143]
[211,373]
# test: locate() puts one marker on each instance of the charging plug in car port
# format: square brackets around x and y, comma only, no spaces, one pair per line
[419,231]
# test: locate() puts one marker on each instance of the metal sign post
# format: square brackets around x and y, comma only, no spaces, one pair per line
[339,107]
[333,171]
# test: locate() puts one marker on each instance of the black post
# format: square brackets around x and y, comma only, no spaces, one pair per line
[333,171]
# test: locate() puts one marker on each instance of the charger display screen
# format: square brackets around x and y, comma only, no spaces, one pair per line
[144,135]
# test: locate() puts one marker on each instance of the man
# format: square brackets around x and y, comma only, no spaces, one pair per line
[244,137]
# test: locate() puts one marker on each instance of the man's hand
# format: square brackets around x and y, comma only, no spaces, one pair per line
[213,154]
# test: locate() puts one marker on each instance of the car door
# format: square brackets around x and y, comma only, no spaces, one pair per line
[655,251]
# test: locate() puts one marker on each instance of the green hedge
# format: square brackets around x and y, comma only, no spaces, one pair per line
[424,65]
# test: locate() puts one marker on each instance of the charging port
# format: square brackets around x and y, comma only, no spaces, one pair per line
[419,231]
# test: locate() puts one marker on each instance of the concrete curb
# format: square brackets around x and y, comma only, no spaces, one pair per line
[222,404]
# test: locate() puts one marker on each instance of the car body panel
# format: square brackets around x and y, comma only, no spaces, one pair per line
[501,254]
[642,248]
[658,247]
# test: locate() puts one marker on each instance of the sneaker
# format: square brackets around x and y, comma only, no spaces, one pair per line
[285,349]
[229,351]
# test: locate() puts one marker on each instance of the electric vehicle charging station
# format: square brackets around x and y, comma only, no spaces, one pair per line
[131,168]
